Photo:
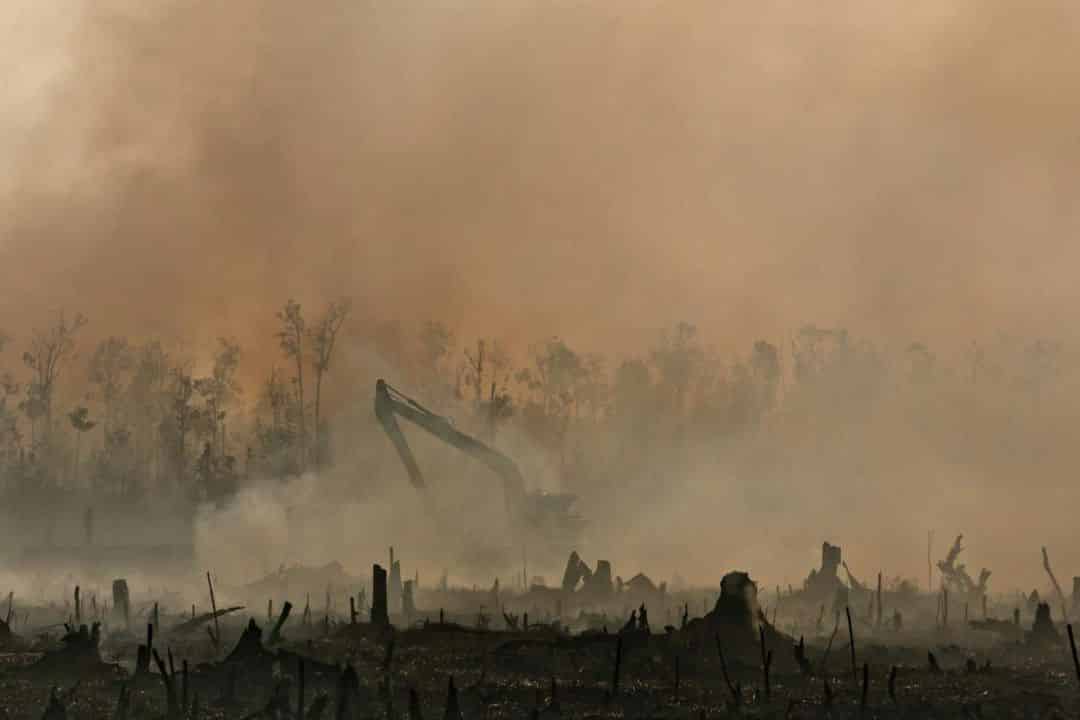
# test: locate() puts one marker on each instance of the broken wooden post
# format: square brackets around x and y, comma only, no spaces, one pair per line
[851,636]
[352,610]
[677,677]
[801,659]
[300,689]
[213,609]
[880,604]
[149,647]
[78,608]
[275,634]
[931,661]
[379,612]
[1057,587]
[892,684]
[170,688]
[142,660]
[766,661]
[736,695]
[393,587]
[1072,646]
[408,604]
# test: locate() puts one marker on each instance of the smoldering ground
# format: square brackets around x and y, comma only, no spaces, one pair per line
[595,171]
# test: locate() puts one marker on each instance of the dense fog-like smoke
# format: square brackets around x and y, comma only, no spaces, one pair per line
[597,171]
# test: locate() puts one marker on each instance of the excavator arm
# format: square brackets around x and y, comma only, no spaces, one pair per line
[390,403]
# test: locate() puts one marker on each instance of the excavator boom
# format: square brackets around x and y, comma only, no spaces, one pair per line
[390,403]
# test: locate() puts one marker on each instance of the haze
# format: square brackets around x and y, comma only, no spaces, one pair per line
[597,171]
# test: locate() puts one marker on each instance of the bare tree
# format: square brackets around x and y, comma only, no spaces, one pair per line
[291,338]
[147,401]
[218,391]
[475,374]
[49,351]
[81,422]
[323,338]
[176,424]
[112,361]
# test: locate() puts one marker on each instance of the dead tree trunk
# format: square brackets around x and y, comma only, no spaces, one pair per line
[1057,587]
[379,614]
[121,602]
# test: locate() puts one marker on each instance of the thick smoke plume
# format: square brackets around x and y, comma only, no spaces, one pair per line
[594,170]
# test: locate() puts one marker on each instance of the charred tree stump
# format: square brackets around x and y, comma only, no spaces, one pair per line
[851,636]
[1072,647]
[800,658]
[144,652]
[300,689]
[121,602]
[766,662]
[415,712]
[880,603]
[379,611]
[1043,632]
[408,604]
[173,711]
[932,663]
[347,688]
[453,710]
[213,608]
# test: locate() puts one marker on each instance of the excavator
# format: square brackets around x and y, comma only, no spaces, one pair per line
[544,517]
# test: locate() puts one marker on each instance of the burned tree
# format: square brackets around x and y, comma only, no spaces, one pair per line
[112,361]
[81,423]
[323,338]
[291,339]
[176,424]
[50,350]
[955,577]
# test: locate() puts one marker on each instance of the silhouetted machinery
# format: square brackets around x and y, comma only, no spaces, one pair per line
[544,517]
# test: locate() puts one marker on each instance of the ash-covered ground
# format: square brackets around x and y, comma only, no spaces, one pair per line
[315,642]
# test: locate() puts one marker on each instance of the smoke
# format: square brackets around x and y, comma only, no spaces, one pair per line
[588,169]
